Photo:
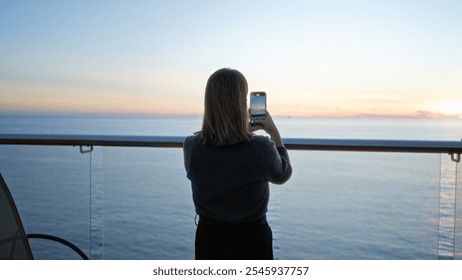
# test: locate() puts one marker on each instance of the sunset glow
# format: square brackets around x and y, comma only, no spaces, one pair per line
[313,58]
[452,108]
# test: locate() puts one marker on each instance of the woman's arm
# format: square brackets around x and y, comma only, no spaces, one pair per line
[278,163]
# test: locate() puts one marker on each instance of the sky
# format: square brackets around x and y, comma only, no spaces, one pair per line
[312,58]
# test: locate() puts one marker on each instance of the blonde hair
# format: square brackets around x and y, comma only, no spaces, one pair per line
[225,109]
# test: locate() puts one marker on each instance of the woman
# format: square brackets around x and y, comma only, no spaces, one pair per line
[229,169]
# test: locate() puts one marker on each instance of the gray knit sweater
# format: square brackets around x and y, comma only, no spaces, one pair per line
[230,183]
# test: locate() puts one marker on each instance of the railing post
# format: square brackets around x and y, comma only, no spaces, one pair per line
[447,209]
[458,214]
[96,204]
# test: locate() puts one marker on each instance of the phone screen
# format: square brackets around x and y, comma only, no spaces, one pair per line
[258,105]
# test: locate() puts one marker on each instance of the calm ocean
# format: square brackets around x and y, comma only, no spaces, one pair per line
[337,205]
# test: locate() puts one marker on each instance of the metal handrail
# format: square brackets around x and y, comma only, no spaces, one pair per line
[363,145]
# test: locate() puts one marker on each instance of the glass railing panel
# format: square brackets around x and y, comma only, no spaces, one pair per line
[136,203]
[343,205]
[51,188]
[148,208]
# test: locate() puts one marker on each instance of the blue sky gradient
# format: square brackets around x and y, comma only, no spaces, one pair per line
[313,58]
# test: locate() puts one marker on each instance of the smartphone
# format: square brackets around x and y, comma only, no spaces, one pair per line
[257,106]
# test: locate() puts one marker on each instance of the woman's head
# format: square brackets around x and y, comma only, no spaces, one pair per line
[225,114]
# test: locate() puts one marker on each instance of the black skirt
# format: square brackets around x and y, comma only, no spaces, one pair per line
[228,241]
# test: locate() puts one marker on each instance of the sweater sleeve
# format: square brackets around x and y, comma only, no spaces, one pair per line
[278,165]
